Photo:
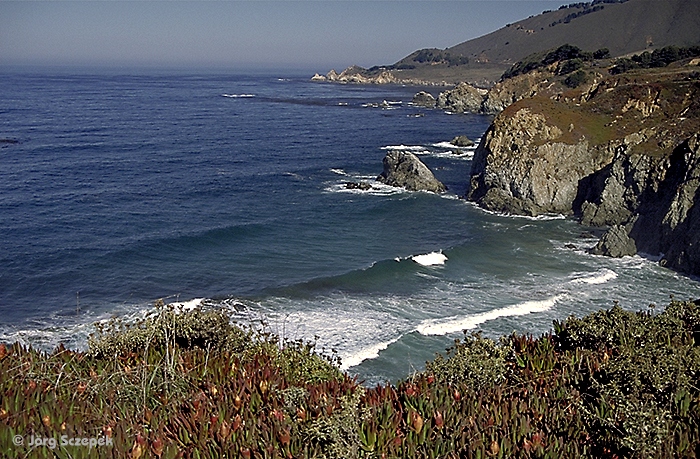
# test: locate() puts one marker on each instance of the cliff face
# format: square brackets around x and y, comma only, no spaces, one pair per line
[622,152]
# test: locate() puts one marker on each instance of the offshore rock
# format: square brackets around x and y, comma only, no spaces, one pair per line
[364,186]
[615,243]
[462,141]
[424,99]
[404,169]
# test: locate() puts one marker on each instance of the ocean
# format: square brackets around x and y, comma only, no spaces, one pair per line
[119,187]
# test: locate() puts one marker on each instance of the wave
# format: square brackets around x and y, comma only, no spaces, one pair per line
[237,96]
[450,146]
[436,327]
[416,148]
[599,277]
[430,259]
[367,353]
[541,217]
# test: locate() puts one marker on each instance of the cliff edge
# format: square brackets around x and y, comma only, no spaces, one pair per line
[621,151]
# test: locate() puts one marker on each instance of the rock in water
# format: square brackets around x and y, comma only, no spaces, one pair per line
[424,99]
[462,141]
[615,243]
[364,186]
[405,170]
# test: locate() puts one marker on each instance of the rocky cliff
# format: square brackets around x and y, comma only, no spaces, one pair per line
[622,151]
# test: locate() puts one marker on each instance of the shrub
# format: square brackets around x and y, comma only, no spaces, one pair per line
[576,79]
[169,325]
[569,66]
[476,362]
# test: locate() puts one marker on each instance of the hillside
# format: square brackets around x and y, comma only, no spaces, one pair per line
[624,28]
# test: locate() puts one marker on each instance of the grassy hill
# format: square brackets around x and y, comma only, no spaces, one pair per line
[631,26]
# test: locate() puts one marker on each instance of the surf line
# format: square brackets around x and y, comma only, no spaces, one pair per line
[457,324]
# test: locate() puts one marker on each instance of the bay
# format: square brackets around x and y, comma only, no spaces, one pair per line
[126,186]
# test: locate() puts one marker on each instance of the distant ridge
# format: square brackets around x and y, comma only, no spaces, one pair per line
[624,28]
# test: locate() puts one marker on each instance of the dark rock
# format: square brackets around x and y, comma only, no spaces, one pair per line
[462,141]
[364,186]
[615,243]
[405,170]
[424,99]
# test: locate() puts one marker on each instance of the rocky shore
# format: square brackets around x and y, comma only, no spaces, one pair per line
[614,151]
[620,151]
[358,75]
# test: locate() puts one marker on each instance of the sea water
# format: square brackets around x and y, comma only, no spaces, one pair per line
[120,187]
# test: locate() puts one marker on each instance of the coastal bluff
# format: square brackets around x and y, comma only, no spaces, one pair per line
[621,152]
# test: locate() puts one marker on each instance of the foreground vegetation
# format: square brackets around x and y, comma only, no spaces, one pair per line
[191,384]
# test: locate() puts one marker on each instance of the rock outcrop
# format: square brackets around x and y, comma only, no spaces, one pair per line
[463,98]
[523,165]
[623,153]
[462,141]
[615,243]
[404,169]
[359,75]
[424,99]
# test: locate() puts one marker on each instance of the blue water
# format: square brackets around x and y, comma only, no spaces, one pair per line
[222,188]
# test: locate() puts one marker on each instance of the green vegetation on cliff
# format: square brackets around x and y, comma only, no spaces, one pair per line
[191,384]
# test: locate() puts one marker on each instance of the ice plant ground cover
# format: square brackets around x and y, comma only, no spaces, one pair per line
[192,384]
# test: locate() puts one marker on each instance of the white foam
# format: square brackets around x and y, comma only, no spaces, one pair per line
[430,259]
[600,277]
[451,146]
[405,147]
[339,171]
[236,96]
[377,189]
[187,305]
[368,353]
[541,217]
[457,324]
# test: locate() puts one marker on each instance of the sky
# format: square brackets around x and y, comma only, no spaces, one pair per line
[319,34]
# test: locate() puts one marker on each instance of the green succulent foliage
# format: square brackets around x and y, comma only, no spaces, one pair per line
[475,361]
[614,384]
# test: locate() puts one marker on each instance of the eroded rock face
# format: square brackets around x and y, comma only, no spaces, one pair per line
[463,98]
[624,154]
[520,166]
[404,169]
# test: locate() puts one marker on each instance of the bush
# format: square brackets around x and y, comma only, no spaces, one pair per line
[658,58]
[569,66]
[476,362]
[169,325]
[576,79]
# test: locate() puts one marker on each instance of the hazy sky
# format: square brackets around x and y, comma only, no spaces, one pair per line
[304,34]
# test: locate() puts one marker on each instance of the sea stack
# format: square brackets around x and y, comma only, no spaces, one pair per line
[405,170]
